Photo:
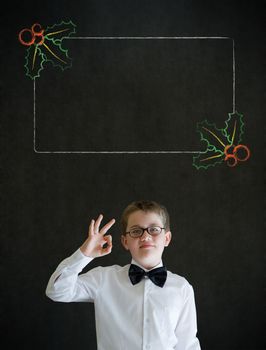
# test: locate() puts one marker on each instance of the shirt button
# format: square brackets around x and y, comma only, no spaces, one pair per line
[148,346]
[147,320]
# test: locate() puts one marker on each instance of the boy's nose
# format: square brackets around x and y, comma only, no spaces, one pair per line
[145,236]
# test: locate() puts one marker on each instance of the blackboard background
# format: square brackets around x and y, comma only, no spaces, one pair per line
[217,216]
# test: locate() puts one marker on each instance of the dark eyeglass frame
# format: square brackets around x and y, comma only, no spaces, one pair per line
[146,229]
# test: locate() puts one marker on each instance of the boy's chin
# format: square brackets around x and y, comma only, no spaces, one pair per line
[147,260]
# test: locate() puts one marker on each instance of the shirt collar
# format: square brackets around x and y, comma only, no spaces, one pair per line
[134,262]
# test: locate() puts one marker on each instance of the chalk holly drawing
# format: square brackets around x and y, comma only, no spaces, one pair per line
[45,45]
[222,144]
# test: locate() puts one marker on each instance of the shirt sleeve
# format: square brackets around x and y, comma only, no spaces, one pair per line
[66,285]
[186,329]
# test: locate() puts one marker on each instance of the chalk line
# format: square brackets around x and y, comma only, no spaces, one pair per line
[134,38]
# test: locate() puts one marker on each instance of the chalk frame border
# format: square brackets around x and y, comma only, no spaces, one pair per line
[136,38]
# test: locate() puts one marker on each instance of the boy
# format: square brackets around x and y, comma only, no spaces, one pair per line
[137,306]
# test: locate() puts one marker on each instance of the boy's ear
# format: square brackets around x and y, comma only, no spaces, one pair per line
[168,237]
[124,241]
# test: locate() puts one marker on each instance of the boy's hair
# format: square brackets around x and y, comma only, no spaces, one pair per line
[146,206]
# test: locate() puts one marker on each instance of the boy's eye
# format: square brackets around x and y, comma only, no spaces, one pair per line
[136,231]
[154,230]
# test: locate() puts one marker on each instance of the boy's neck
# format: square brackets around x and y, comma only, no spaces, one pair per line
[147,267]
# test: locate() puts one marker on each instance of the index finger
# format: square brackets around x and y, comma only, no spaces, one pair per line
[107,226]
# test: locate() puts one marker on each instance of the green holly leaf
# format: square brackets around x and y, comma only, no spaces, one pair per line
[208,158]
[34,61]
[52,46]
[54,53]
[234,128]
[59,31]
[214,137]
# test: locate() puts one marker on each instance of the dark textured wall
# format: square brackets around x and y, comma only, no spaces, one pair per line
[133,95]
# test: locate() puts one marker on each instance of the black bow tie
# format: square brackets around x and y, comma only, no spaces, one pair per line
[157,276]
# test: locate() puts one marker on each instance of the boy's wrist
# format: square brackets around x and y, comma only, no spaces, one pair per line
[86,254]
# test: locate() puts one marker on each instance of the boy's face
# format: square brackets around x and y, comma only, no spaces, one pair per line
[147,250]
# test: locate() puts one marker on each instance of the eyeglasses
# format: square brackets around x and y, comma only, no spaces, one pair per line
[138,231]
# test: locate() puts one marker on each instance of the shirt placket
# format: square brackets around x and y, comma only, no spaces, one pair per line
[146,345]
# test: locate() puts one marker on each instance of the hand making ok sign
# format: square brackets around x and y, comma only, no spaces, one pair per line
[94,244]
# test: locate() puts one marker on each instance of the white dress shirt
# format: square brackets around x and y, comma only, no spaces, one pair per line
[129,317]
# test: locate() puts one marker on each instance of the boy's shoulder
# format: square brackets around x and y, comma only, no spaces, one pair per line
[110,268]
[177,280]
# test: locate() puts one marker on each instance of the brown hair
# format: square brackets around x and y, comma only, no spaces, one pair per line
[146,206]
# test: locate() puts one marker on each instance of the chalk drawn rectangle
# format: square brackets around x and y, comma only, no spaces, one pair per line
[134,95]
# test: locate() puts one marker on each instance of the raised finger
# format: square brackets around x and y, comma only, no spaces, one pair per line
[91,228]
[97,223]
[107,226]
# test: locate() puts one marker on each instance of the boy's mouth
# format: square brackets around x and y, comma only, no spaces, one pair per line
[147,246]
